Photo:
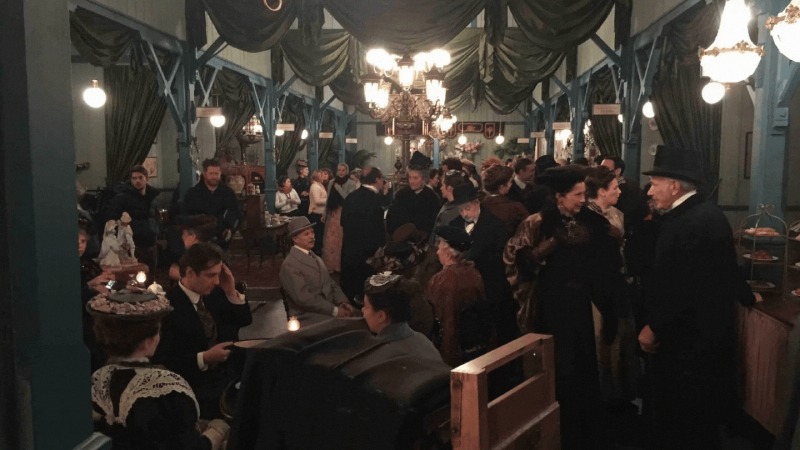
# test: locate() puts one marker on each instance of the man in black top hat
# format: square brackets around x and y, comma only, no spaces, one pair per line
[489,237]
[689,306]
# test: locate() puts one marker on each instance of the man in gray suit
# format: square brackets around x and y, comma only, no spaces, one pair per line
[311,294]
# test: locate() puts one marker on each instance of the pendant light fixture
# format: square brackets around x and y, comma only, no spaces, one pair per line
[94,96]
[785,30]
[733,56]
[713,92]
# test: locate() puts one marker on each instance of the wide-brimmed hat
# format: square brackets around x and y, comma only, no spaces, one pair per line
[562,179]
[404,238]
[381,282]
[455,237]
[678,163]
[301,163]
[299,224]
[127,305]
[465,192]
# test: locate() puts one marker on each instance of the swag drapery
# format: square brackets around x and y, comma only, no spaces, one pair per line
[233,91]
[497,65]
[684,119]
[287,146]
[607,130]
[134,109]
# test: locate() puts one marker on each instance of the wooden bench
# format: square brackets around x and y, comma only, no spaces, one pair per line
[526,417]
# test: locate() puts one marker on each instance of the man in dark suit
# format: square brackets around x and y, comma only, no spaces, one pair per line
[413,204]
[524,171]
[363,231]
[690,311]
[207,317]
[489,237]
[631,201]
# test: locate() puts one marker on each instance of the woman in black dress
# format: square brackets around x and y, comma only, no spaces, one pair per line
[556,269]
[139,405]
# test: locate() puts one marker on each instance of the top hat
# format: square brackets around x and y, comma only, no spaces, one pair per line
[465,192]
[562,179]
[419,161]
[299,224]
[544,162]
[677,163]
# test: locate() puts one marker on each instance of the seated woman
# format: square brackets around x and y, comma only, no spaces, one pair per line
[452,291]
[287,202]
[138,405]
[93,281]
[387,311]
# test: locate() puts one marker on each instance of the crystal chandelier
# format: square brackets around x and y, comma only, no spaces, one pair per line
[405,106]
[785,30]
[733,56]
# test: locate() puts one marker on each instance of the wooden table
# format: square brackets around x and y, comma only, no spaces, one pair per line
[768,341]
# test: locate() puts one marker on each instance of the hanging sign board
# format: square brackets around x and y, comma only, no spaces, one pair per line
[325,135]
[351,141]
[562,125]
[523,141]
[610,109]
[286,126]
[537,134]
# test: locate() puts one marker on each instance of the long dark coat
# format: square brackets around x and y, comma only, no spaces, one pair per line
[411,207]
[363,233]
[690,306]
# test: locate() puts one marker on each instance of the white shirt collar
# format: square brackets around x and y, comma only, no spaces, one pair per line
[301,249]
[371,188]
[679,201]
[519,182]
[194,297]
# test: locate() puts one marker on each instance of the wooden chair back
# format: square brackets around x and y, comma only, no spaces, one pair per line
[526,417]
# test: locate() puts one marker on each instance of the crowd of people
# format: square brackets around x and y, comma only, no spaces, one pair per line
[637,288]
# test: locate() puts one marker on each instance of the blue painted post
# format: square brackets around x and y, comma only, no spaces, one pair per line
[44,365]
[775,83]
[580,112]
[549,133]
[313,122]
[184,81]
[436,153]
[266,110]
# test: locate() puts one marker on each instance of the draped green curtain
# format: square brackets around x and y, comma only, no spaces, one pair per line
[559,24]
[287,146]
[233,93]
[684,119]
[317,65]
[101,41]
[607,130]
[134,112]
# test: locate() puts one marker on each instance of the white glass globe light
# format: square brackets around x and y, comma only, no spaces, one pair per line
[421,61]
[499,139]
[304,135]
[733,56]
[279,132]
[388,140]
[94,96]
[377,57]
[439,58]
[422,141]
[462,140]
[785,30]
[648,110]
[713,92]
[217,121]
[620,118]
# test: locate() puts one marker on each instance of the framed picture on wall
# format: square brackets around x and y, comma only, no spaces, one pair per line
[151,164]
[748,154]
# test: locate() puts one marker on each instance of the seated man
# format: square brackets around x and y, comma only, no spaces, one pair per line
[207,317]
[311,294]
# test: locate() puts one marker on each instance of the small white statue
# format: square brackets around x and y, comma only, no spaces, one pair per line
[125,239]
[109,250]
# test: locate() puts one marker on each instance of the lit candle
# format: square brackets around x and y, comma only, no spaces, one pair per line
[293,324]
[141,277]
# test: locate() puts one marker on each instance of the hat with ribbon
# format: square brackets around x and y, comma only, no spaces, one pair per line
[464,193]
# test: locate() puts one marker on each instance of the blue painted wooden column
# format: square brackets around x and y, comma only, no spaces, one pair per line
[776,81]
[436,154]
[44,365]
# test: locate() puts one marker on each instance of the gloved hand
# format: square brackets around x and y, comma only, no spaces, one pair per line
[217,432]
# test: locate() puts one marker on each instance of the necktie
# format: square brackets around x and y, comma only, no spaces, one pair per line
[469,227]
[209,326]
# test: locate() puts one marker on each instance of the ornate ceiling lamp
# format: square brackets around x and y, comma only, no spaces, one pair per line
[733,56]
[785,30]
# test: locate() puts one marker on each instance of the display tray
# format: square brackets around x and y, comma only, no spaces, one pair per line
[747,256]
[756,284]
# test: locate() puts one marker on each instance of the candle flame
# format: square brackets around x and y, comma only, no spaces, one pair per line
[293,324]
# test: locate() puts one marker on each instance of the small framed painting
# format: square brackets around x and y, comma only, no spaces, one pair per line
[151,164]
[748,154]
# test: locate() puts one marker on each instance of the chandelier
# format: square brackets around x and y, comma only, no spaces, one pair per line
[404,106]
[785,30]
[733,56]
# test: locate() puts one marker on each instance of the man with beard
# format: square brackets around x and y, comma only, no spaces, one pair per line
[214,199]
[690,314]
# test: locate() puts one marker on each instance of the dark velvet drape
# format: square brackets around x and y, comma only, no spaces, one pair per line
[319,65]
[607,130]
[287,146]
[101,41]
[559,24]
[684,119]
[134,112]
[233,93]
